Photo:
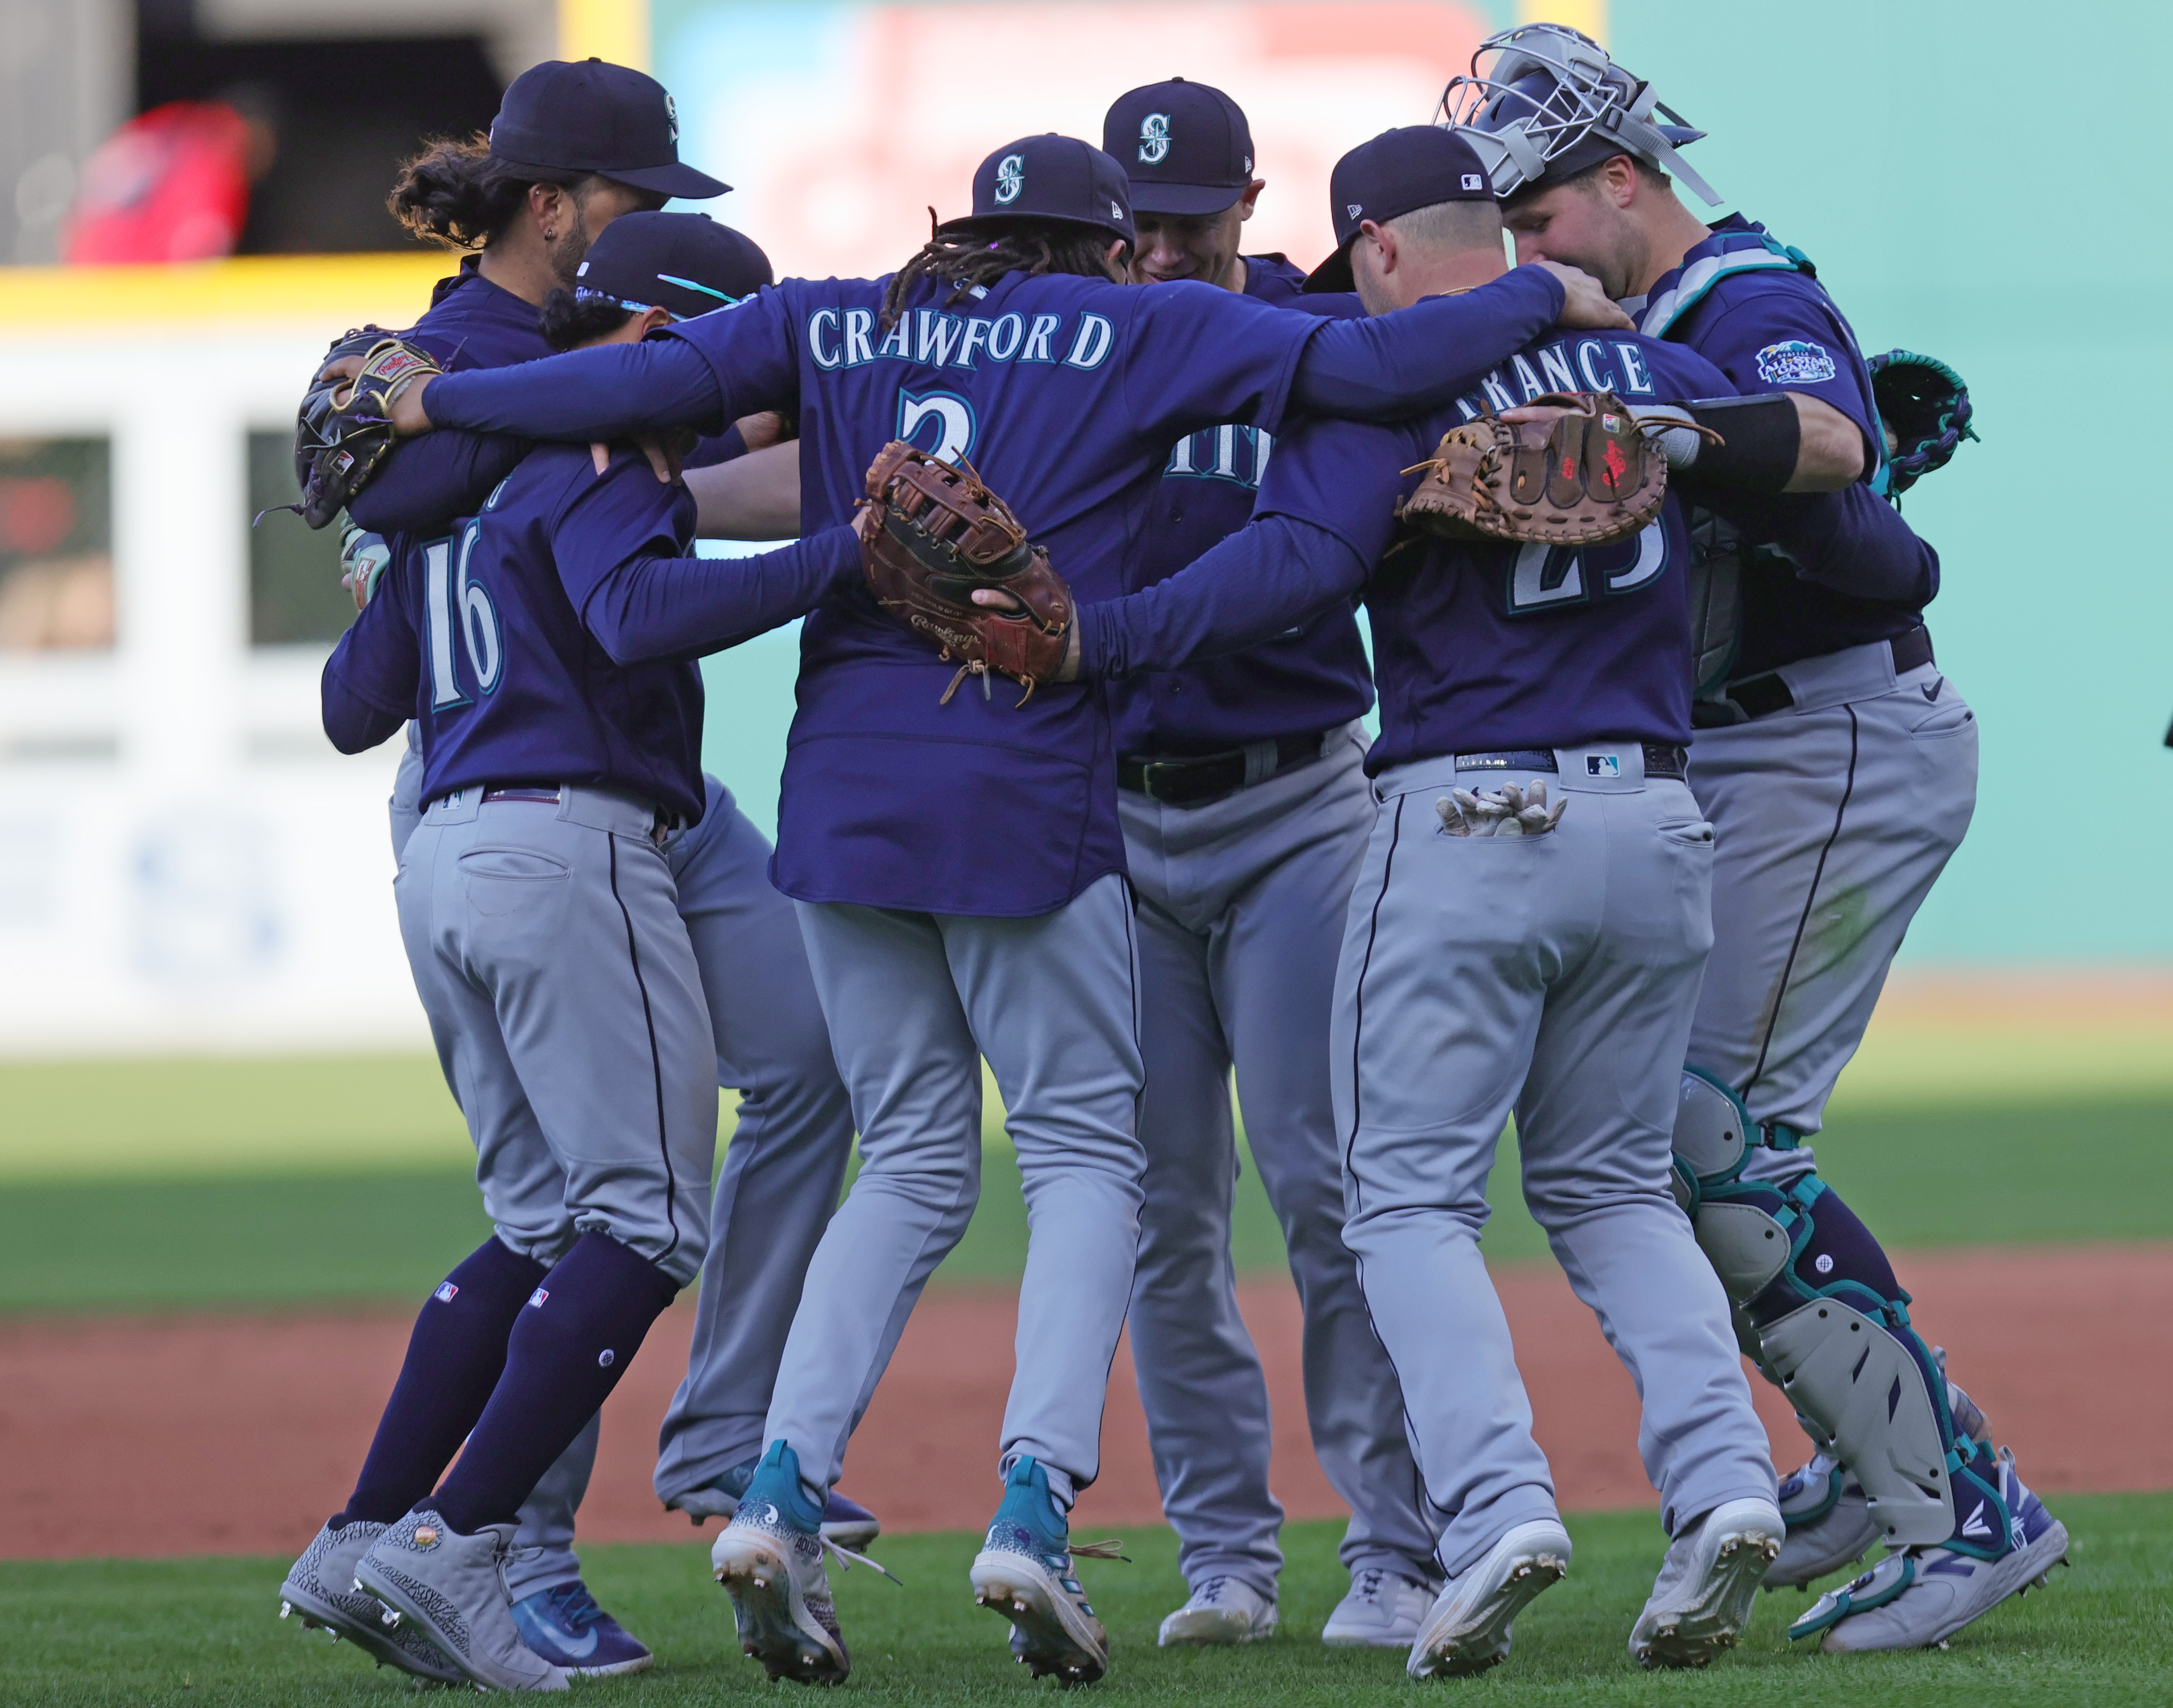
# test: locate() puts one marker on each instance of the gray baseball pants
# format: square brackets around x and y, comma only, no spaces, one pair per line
[914,1001]
[1242,908]
[1552,977]
[1832,820]
[778,1184]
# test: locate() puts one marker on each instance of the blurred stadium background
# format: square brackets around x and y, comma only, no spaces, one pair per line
[185,864]
[205,1018]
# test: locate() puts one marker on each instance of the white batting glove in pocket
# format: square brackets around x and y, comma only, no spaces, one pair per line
[362,557]
[1512,809]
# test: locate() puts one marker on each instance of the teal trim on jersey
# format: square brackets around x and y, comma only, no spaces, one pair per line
[1699,277]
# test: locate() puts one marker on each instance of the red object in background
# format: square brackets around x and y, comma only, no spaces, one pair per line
[170,185]
[36,513]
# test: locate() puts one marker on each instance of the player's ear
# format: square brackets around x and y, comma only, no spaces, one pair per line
[652,319]
[1252,195]
[1383,241]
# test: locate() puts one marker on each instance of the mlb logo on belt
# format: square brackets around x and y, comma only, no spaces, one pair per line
[1602,765]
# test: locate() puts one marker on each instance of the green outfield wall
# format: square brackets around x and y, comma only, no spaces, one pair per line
[1983,182]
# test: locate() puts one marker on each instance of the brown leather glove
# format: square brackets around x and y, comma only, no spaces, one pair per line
[1586,478]
[937,535]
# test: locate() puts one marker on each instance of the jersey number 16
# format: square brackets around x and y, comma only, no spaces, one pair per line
[451,602]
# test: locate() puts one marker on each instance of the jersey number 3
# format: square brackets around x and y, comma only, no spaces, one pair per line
[452,603]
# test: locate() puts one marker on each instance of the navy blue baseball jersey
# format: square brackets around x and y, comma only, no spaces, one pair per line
[1315,676]
[1067,394]
[1476,647]
[1751,306]
[470,324]
[1064,393]
[482,636]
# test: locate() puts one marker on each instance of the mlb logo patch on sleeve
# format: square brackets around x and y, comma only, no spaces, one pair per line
[1795,362]
[445,1291]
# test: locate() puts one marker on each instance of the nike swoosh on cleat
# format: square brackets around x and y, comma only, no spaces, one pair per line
[586,1646]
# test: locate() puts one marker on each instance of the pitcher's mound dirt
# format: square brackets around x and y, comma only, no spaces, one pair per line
[239,1434]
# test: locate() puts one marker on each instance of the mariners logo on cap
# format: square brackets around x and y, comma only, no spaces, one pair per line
[671,116]
[1010,178]
[1154,139]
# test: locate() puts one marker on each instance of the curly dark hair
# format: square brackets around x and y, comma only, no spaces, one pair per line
[454,193]
[568,321]
[965,256]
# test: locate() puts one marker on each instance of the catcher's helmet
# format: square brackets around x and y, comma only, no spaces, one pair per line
[1553,102]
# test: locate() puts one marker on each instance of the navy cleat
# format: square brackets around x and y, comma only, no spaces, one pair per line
[2004,1543]
[845,1522]
[1023,1571]
[565,1626]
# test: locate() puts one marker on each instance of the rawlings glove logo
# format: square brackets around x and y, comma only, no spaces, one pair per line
[1795,362]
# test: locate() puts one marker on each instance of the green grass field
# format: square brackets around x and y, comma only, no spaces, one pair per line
[159,1238]
[202,1633]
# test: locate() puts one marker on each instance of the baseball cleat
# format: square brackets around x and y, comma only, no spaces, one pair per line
[1701,1600]
[1023,1571]
[1223,1610]
[565,1626]
[845,1522]
[1922,1596]
[1829,1524]
[1382,1610]
[1466,1630]
[321,1592]
[769,1560]
[451,1588]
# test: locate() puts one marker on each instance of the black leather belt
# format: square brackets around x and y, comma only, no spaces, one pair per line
[1660,761]
[1761,696]
[1194,780]
[523,792]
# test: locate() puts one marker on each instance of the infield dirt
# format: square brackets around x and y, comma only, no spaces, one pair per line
[230,1433]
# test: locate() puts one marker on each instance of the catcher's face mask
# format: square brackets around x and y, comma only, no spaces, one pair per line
[1552,103]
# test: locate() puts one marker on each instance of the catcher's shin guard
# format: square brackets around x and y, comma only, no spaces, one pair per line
[1830,1322]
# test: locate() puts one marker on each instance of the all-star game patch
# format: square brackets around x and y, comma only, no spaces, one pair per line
[1795,362]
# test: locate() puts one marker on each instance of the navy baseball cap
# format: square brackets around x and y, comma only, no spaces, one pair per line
[1186,147]
[685,262]
[589,117]
[1416,166]
[1050,177]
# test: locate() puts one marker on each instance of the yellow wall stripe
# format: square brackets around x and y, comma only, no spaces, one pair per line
[617,31]
[391,289]
[1588,15]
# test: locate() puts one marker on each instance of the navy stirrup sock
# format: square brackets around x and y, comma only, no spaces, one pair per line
[455,1356]
[562,1360]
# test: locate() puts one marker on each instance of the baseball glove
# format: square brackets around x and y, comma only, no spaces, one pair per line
[936,536]
[1925,408]
[1587,478]
[341,433]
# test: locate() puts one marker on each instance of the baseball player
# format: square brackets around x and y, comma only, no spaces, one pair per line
[540,914]
[1245,814]
[1838,767]
[530,200]
[1494,959]
[957,857]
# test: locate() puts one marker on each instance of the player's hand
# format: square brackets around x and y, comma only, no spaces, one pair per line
[760,431]
[997,600]
[342,368]
[1584,304]
[409,416]
[667,451]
